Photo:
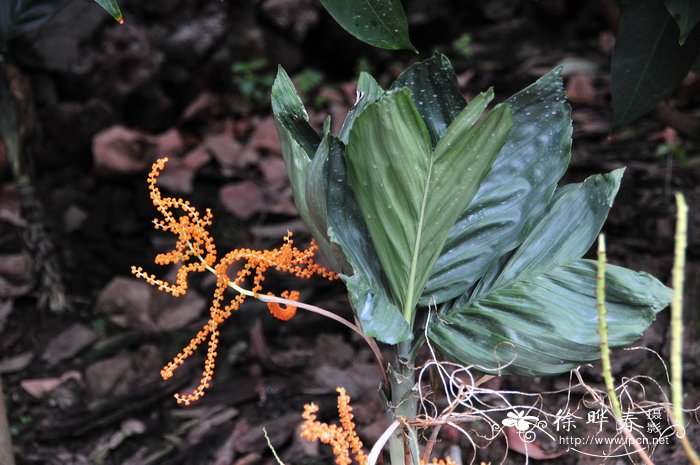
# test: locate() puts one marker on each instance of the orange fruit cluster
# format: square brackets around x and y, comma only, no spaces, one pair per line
[195,251]
[342,439]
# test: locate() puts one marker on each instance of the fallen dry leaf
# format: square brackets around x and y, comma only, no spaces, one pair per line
[171,313]
[169,143]
[580,89]
[209,422]
[73,218]
[41,386]
[6,307]
[242,199]
[130,302]
[10,207]
[16,363]
[228,151]
[69,343]
[122,151]
[127,301]
[180,172]
[274,170]
[16,275]
[265,137]
[109,377]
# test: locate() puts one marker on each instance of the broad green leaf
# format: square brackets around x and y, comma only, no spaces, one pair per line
[535,312]
[411,195]
[368,91]
[565,232]
[381,23]
[299,143]
[648,63]
[367,287]
[547,323]
[18,17]
[111,7]
[290,112]
[435,92]
[515,192]
[686,13]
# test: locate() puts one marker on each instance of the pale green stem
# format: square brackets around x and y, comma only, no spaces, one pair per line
[603,329]
[404,405]
[677,326]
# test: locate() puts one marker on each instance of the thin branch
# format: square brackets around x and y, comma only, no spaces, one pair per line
[677,327]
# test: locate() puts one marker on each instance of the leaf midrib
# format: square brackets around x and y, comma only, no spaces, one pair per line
[409,304]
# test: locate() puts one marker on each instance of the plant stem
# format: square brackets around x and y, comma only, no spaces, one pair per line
[404,405]
[677,326]
[603,329]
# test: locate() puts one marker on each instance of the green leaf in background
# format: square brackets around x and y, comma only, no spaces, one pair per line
[111,7]
[435,92]
[648,63]
[381,23]
[411,195]
[18,17]
[515,192]
[535,313]
[686,13]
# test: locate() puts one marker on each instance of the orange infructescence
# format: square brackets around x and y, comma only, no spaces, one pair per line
[343,439]
[196,251]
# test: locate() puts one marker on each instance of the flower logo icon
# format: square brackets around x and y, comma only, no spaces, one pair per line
[520,421]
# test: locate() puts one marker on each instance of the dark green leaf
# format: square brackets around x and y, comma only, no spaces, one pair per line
[410,195]
[111,7]
[435,92]
[381,23]
[368,288]
[547,323]
[316,188]
[18,17]
[536,311]
[368,91]
[686,13]
[290,112]
[515,192]
[299,143]
[648,64]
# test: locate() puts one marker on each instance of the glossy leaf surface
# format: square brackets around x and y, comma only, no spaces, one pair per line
[367,285]
[435,93]
[381,23]
[411,195]
[111,7]
[515,192]
[535,313]
[299,143]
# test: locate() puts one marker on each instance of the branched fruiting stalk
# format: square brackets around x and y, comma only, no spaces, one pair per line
[195,251]
[681,240]
[603,329]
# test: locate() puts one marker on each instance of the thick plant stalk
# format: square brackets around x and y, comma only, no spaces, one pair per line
[603,329]
[404,405]
[677,326]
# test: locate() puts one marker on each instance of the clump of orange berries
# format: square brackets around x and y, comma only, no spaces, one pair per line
[195,251]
